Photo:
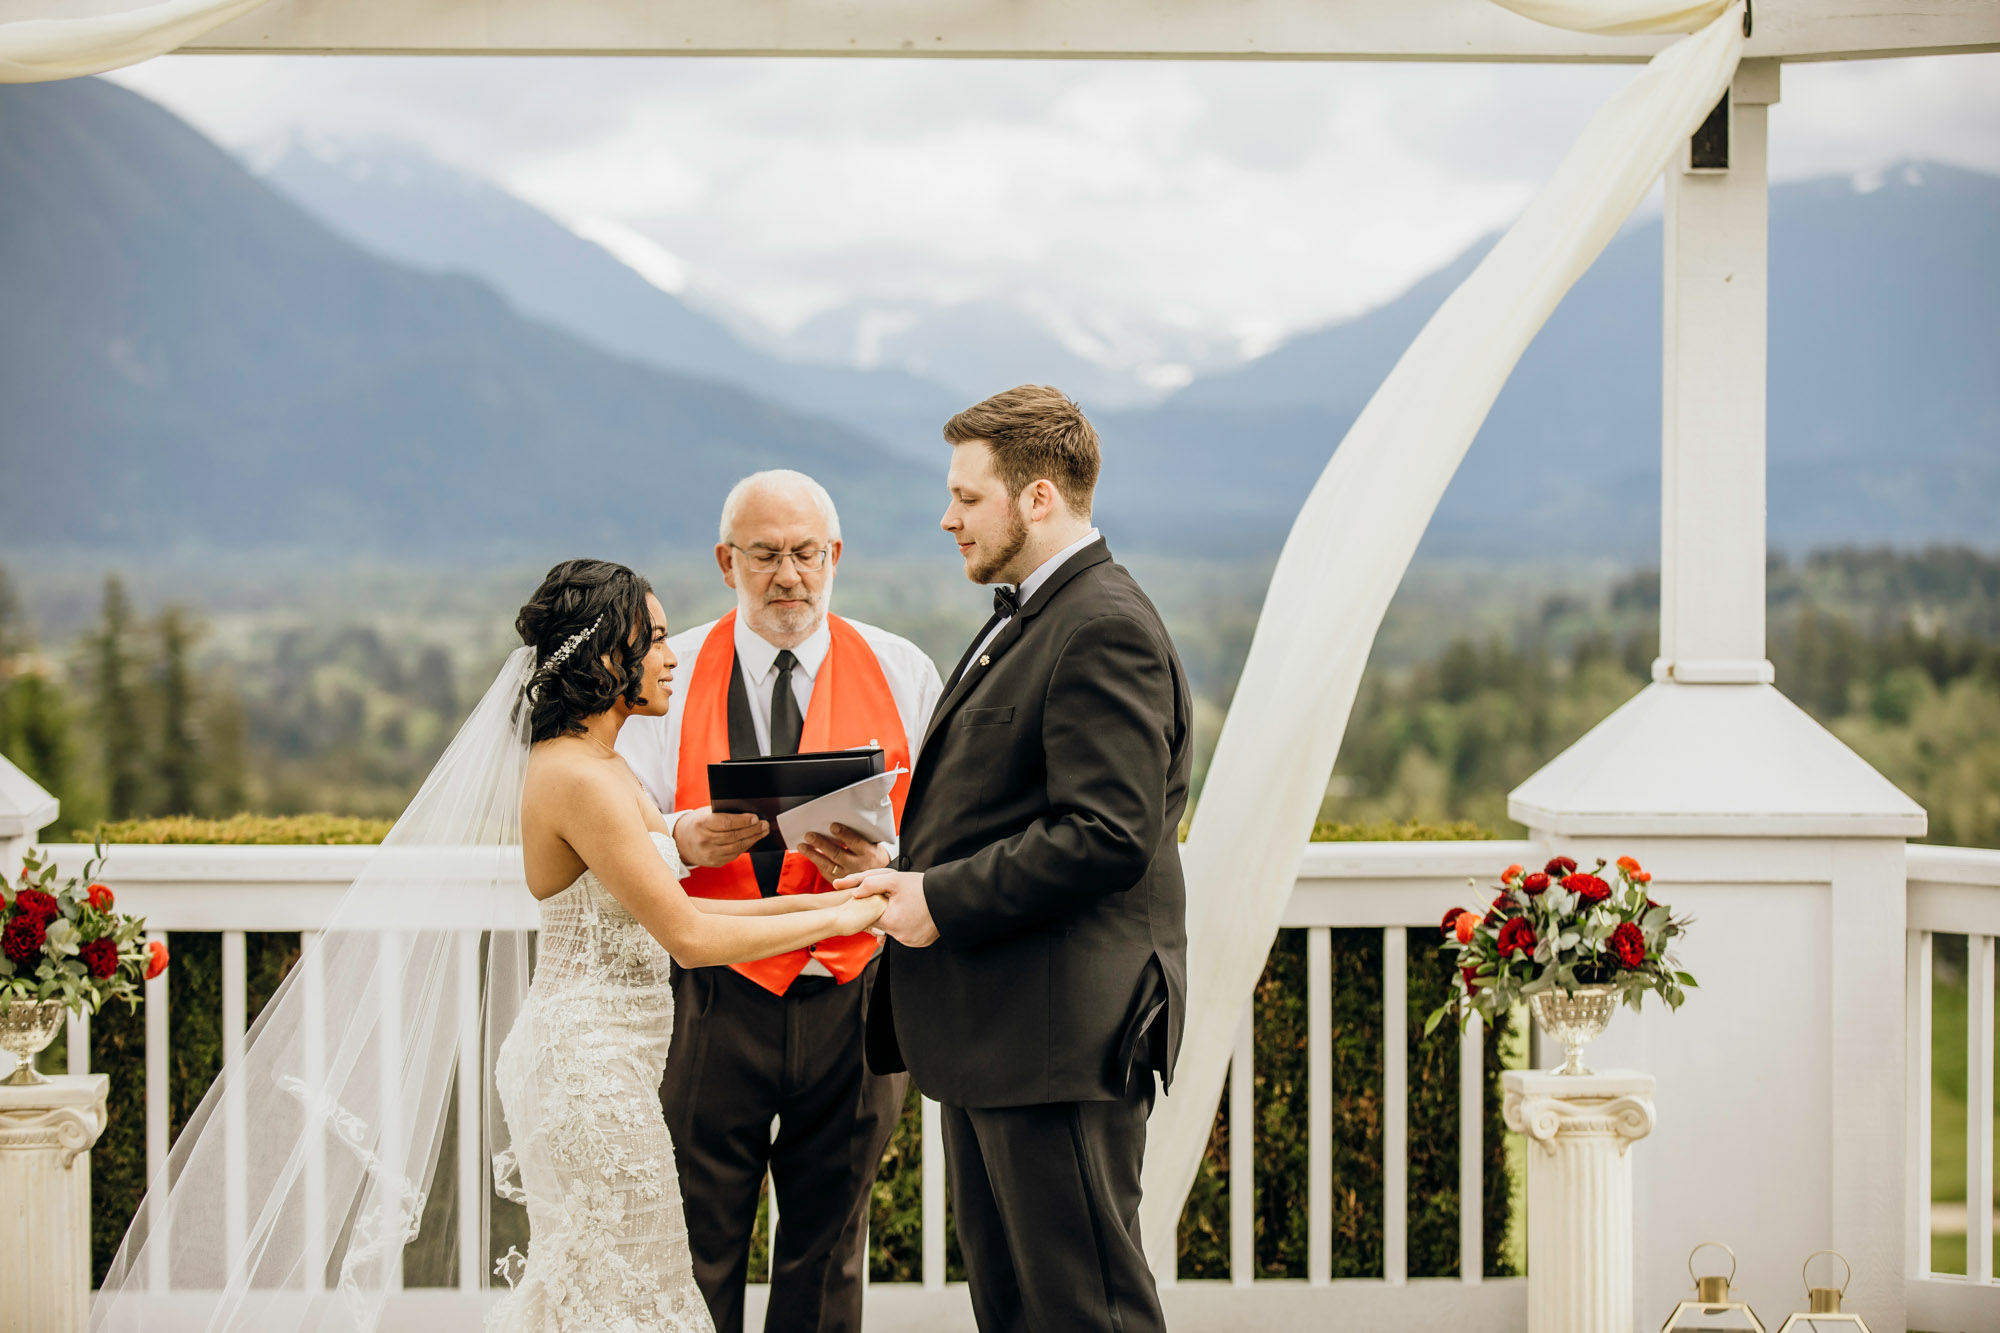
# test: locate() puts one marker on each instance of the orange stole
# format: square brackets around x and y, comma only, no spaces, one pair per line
[851,705]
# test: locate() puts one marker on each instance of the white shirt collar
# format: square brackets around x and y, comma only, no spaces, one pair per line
[1046,570]
[758,658]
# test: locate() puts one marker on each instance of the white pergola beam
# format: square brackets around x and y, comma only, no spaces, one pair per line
[1063,29]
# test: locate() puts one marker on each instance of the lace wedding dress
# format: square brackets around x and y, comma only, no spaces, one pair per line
[579,1080]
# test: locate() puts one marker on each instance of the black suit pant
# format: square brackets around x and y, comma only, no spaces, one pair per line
[741,1056]
[1046,1199]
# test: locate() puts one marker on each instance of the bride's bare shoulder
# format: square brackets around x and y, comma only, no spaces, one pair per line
[570,771]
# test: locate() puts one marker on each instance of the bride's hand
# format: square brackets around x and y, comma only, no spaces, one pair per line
[858,914]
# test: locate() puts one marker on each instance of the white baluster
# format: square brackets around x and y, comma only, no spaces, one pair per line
[933,1195]
[77,1039]
[1395,1105]
[471,1162]
[158,1241]
[389,1049]
[1471,1150]
[1243,1154]
[312,944]
[1917,1103]
[235,1130]
[1319,1106]
[1979,1108]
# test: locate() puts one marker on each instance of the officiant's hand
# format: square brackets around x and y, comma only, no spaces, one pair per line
[907,919]
[706,838]
[845,853]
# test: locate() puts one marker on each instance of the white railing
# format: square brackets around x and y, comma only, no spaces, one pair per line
[1384,886]
[1952,891]
[1374,886]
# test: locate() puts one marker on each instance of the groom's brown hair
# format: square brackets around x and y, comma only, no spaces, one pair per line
[1034,431]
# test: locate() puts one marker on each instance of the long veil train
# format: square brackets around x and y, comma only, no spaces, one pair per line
[291,1193]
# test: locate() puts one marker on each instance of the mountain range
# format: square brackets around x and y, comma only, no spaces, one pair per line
[378,354]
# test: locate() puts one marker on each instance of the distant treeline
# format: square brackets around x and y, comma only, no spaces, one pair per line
[1897,652]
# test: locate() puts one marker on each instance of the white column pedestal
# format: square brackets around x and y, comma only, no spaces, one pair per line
[46,1131]
[1579,1193]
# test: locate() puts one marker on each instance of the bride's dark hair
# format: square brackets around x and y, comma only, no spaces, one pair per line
[585,611]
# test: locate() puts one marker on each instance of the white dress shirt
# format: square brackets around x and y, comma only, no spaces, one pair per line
[1032,584]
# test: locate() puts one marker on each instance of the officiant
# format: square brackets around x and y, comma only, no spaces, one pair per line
[781,1037]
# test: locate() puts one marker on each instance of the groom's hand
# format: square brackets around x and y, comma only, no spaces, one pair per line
[706,838]
[846,852]
[907,919]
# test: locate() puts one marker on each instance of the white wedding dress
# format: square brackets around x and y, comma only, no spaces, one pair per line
[579,1080]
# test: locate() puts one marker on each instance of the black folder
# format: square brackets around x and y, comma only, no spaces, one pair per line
[769,785]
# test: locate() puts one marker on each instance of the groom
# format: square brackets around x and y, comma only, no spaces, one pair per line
[1036,979]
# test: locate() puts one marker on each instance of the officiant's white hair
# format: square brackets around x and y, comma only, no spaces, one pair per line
[780,478]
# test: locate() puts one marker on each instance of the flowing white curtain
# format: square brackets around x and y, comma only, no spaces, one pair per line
[38,50]
[1353,540]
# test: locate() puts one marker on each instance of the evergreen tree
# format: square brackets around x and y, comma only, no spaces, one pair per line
[35,721]
[225,734]
[120,733]
[179,768]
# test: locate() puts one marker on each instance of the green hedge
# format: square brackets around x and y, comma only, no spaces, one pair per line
[195,1008]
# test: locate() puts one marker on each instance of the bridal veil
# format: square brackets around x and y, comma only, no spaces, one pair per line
[290,1195]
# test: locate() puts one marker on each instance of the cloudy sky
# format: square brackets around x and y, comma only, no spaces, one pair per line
[1229,203]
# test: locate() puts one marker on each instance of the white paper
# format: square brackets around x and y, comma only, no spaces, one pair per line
[863,806]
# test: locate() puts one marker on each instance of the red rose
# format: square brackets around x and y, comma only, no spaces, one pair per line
[1517,936]
[1629,944]
[23,938]
[1471,975]
[101,897]
[1502,903]
[1535,883]
[101,957]
[1587,887]
[1507,875]
[1562,865]
[156,958]
[1450,923]
[35,903]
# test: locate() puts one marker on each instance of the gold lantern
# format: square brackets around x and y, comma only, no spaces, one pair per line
[1713,1309]
[1823,1313]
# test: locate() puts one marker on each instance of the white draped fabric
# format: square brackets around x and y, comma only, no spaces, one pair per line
[1352,542]
[38,50]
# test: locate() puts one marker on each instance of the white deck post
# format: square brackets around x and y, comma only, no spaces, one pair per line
[1753,819]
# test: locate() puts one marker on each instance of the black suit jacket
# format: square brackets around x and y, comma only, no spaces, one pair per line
[1044,812]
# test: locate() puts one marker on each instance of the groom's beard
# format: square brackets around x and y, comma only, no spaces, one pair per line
[989,568]
[786,622]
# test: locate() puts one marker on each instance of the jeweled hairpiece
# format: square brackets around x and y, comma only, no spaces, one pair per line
[556,658]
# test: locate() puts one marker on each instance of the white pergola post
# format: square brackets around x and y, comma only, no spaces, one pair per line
[1712,409]
[1782,843]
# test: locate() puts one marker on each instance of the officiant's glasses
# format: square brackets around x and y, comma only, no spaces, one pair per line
[765,561]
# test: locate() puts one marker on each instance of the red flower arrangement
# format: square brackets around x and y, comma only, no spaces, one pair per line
[1562,927]
[64,942]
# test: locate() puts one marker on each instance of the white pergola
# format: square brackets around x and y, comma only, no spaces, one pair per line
[1759,819]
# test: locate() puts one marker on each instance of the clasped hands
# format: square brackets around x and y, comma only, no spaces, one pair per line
[907,918]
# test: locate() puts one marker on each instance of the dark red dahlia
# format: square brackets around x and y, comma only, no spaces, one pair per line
[101,957]
[1562,865]
[1471,975]
[22,940]
[1517,936]
[1450,923]
[1587,887]
[1629,943]
[35,903]
[1534,883]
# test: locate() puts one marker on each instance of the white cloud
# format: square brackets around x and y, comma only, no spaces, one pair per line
[1235,202]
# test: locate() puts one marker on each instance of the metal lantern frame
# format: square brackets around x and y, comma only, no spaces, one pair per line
[1823,1312]
[1711,1296]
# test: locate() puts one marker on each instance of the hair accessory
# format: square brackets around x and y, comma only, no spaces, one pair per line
[556,658]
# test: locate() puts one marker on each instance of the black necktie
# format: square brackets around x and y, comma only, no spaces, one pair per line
[786,724]
[1006,600]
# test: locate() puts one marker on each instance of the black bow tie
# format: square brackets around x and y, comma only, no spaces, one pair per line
[1006,600]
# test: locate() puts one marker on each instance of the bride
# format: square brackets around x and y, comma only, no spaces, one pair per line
[579,1076]
[293,1192]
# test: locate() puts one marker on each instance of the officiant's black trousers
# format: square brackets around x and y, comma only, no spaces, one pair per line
[1047,1204]
[740,1056]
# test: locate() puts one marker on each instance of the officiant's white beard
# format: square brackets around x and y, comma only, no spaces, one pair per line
[783,626]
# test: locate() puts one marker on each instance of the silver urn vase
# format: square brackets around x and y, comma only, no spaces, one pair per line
[26,1029]
[1575,1020]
